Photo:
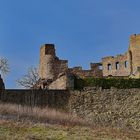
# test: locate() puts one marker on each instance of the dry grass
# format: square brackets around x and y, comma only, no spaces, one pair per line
[36,114]
[10,130]
[32,123]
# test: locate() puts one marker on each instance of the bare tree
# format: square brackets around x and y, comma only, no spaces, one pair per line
[29,79]
[4,67]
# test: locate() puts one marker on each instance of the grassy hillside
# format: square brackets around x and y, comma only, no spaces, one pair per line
[111,114]
[29,131]
[26,123]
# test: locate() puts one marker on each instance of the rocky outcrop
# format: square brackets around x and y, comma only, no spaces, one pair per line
[2,86]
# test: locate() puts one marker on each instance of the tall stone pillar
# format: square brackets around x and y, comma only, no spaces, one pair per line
[47,58]
[134,53]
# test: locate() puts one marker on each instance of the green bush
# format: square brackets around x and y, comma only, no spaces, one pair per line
[106,83]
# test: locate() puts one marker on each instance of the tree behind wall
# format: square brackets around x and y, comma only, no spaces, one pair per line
[4,67]
[29,79]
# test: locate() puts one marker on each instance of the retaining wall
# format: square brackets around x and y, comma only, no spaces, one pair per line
[107,107]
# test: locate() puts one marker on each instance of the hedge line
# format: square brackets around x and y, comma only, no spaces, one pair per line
[105,83]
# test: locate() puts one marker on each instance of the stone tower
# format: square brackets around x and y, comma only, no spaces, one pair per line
[50,65]
[134,53]
[47,56]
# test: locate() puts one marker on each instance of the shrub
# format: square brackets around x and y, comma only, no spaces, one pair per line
[107,83]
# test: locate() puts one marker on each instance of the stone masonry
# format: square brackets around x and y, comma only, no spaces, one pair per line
[55,73]
[50,65]
[116,66]
[127,65]
[107,107]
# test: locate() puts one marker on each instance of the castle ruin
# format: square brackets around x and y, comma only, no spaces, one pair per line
[50,65]
[55,73]
[127,65]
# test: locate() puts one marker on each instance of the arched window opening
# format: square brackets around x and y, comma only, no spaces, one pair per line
[126,64]
[109,67]
[117,65]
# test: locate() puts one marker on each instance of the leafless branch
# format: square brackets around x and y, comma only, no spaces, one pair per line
[4,67]
[29,79]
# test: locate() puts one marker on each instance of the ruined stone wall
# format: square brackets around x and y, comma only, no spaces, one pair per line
[126,65]
[47,54]
[64,81]
[134,52]
[132,57]
[60,66]
[50,65]
[51,98]
[96,66]
[108,107]
[116,66]
[95,71]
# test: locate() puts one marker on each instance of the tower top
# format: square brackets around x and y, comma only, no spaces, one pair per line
[134,36]
[48,49]
[135,40]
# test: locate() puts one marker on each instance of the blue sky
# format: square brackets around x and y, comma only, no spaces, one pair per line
[83,31]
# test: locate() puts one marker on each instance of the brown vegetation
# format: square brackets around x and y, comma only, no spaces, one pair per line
[36,114]
[22,122]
